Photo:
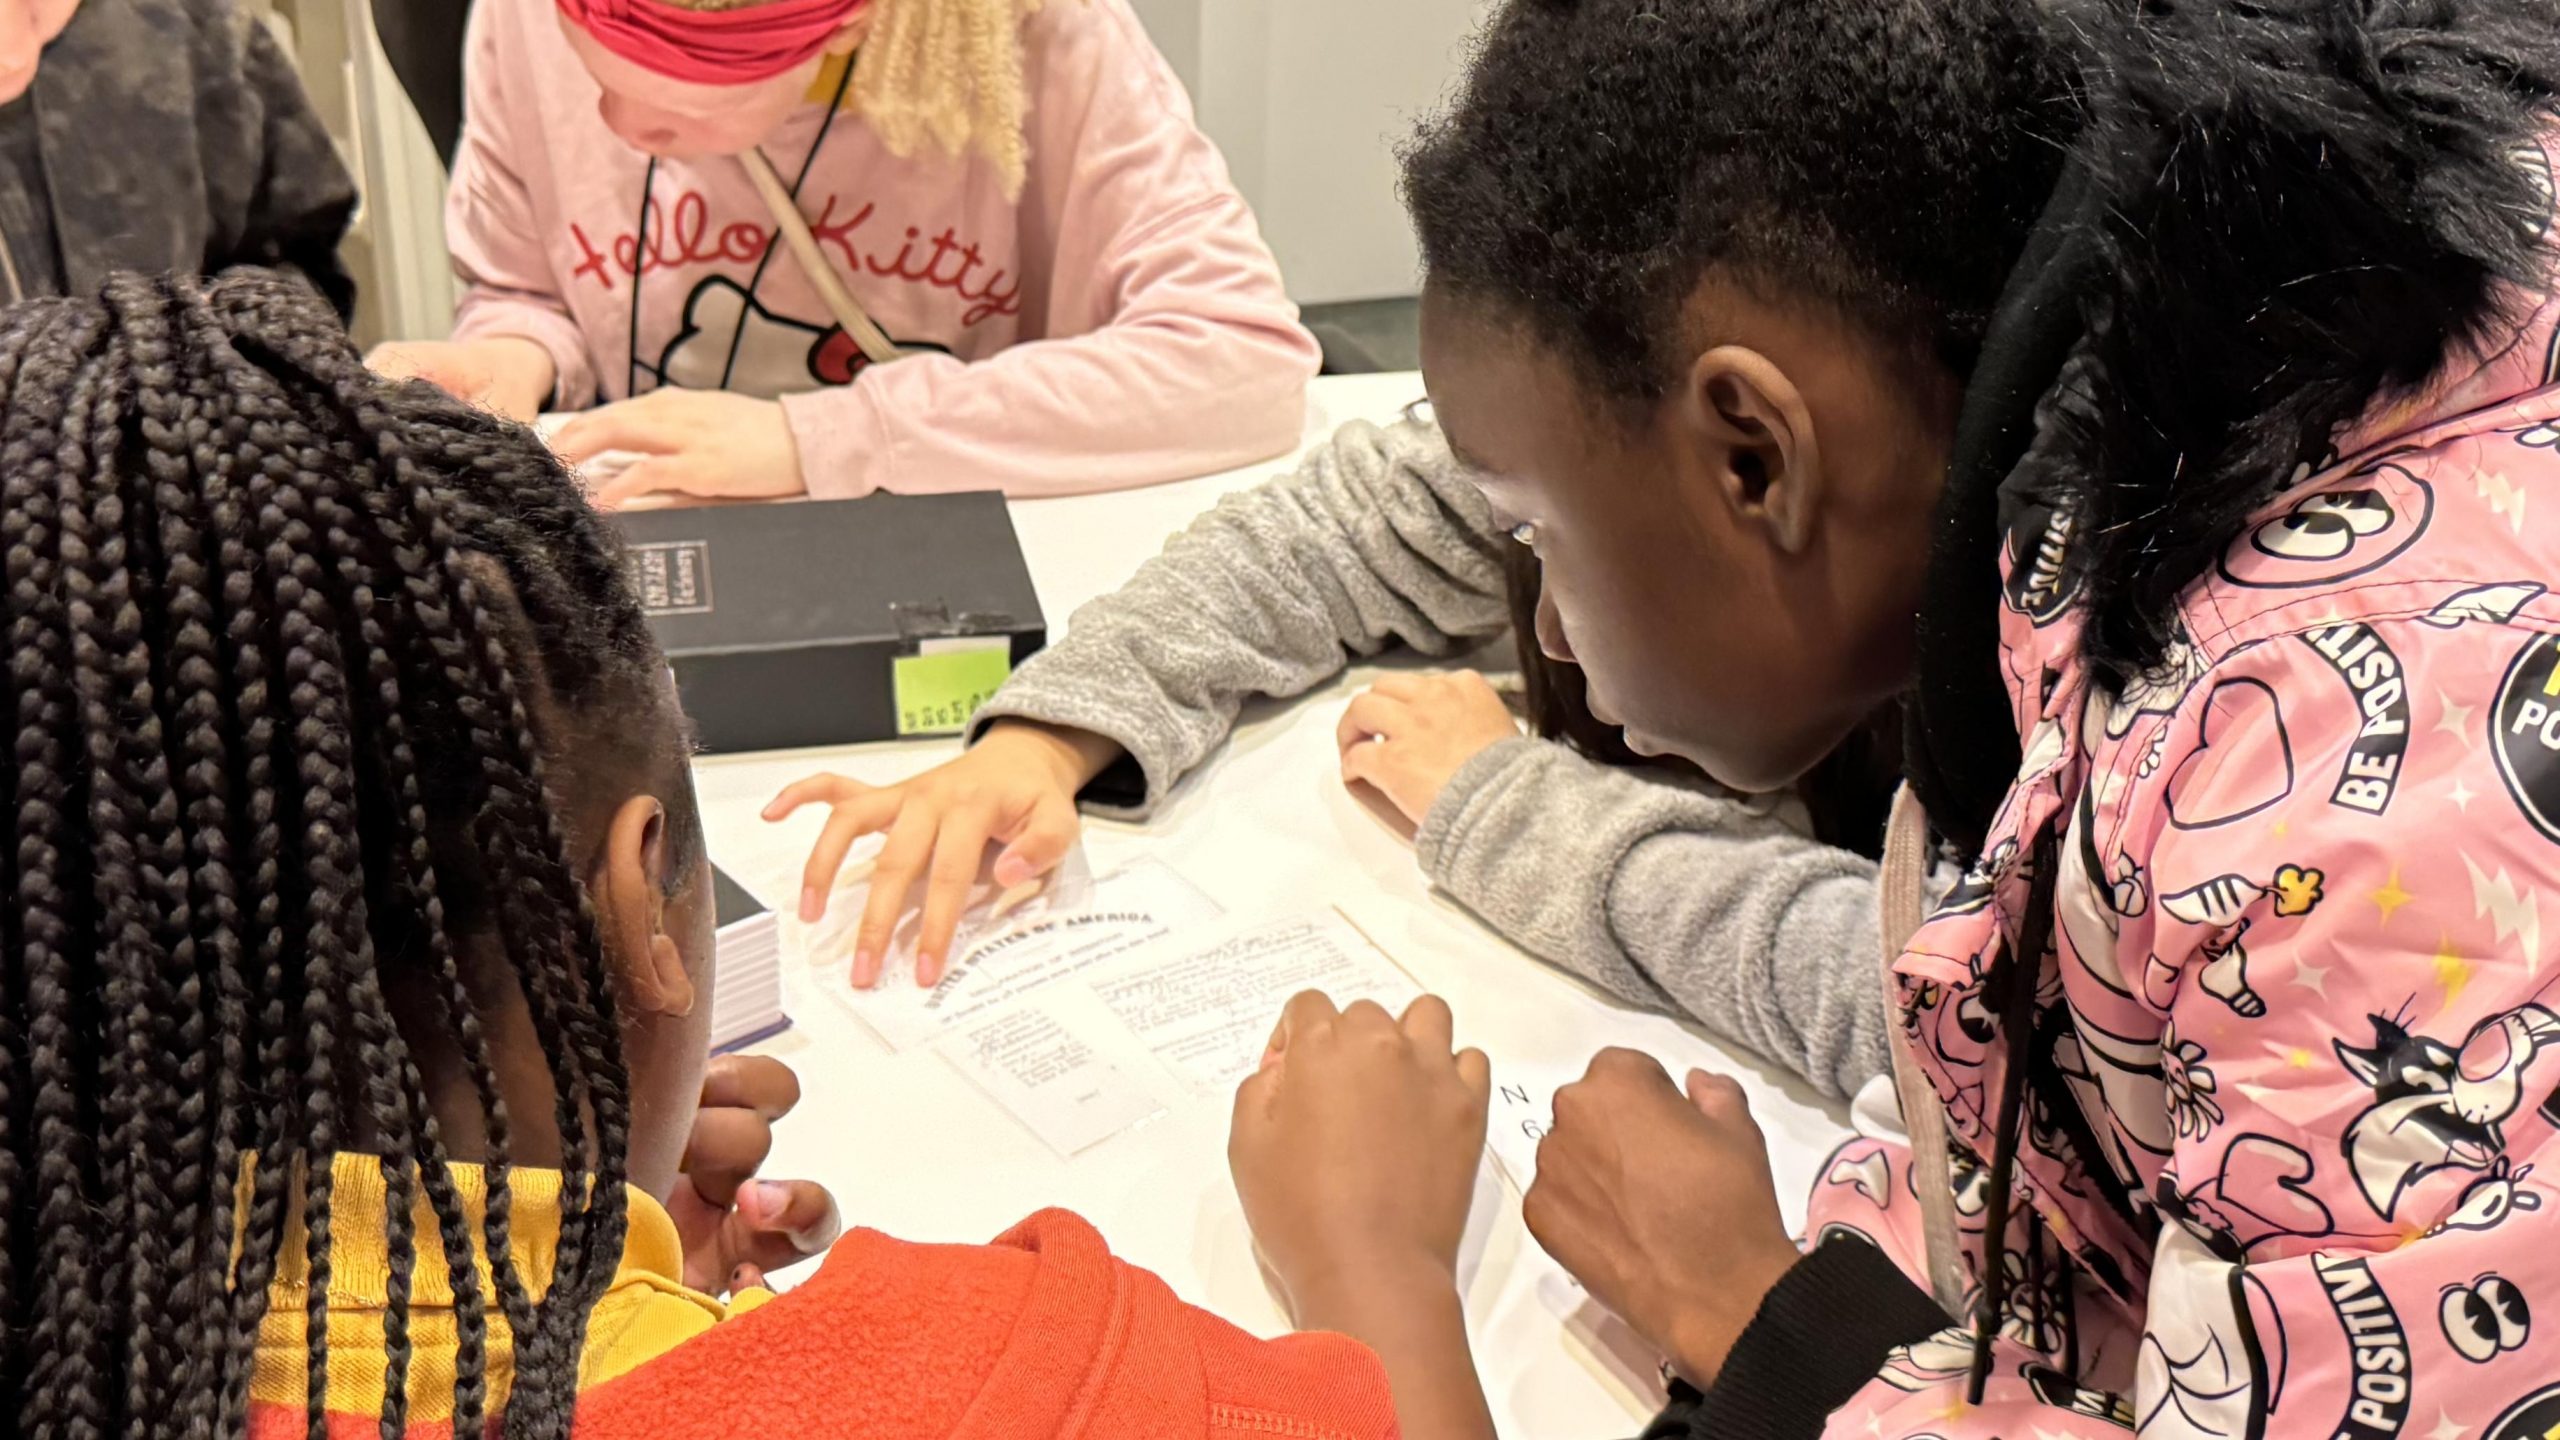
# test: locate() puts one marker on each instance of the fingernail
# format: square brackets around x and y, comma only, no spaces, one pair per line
[772,1198]
[866,968]
[819,1233]
[928,970]
[1012,870]
[813,904]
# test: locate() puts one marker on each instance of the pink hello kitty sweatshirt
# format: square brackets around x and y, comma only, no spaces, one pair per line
[1120,324]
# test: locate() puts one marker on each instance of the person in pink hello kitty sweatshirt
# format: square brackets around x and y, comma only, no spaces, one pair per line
[1017,196]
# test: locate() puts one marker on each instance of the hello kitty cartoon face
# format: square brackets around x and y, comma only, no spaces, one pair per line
[731,341]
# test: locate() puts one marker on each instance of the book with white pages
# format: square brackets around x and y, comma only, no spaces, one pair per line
[746,981]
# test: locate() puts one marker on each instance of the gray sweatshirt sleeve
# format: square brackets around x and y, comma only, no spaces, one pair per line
[1666,895]
[1674,897]
[1376,539]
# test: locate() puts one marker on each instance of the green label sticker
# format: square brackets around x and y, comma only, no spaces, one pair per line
[937,693]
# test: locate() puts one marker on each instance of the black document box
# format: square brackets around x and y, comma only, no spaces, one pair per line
[802,624]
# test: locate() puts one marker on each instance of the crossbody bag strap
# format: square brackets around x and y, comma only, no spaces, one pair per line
[1901,894]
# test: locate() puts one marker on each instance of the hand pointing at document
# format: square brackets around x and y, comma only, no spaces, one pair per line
[1015,788]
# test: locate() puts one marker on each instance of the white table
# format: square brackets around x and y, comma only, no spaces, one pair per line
[910,1148]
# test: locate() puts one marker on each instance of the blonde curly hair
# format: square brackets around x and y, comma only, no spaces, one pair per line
[948,72]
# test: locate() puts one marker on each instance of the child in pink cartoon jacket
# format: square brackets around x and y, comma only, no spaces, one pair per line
[2165,396]
[1013,193]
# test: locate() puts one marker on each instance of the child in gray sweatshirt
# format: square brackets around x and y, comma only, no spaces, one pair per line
[1657,887]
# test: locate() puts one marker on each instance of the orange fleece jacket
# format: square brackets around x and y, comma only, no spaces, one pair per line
[1042,1333]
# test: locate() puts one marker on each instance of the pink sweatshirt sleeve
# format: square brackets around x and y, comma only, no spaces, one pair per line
[1170,348]
[489,218]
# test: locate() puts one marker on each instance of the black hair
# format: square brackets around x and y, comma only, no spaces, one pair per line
[1846,796]
[2300,205]
[1555,693]
[286,644]
[1885,157]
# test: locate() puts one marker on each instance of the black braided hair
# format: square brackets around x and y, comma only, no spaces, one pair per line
[291,650]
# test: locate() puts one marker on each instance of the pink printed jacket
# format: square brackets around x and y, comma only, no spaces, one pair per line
[2290,1105]
[2305,1012]
[1120,324]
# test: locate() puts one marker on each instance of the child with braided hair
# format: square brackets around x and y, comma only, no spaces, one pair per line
[352,1070]
[723,218]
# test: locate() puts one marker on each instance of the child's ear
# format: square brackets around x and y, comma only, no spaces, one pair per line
[630,888]
[1751,423]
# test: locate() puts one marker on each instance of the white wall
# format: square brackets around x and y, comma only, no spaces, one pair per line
[1309,100]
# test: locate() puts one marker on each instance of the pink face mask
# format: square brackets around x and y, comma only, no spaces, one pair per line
[712,47]
[26,27]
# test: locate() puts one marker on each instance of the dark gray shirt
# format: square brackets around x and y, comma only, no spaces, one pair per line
[32,262]
[168,135]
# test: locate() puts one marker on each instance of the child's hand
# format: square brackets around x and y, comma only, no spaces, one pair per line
[1408,735]
[504,374]
[1661,1204]
[704,444]
[1355,1151]
[734,1226]
[1017,787]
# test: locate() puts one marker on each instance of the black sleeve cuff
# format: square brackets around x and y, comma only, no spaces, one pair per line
[1820,1336]
[1123,785]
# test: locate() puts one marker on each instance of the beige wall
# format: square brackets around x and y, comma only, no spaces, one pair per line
[397,248]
